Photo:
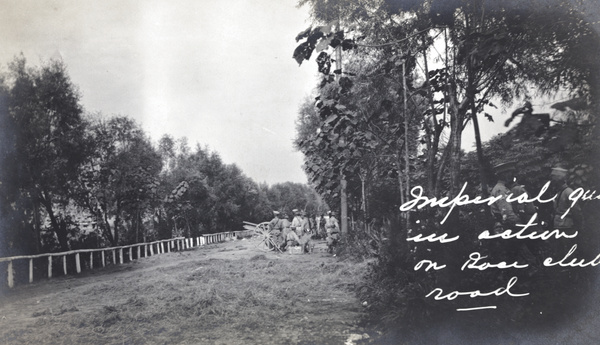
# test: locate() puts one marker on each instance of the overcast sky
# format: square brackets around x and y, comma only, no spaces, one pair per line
[218,72]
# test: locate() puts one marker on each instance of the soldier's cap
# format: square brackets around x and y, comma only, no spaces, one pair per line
[559,171]
[275,212]
[295,211]
[504,167]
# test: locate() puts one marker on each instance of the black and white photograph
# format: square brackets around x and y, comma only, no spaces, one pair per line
[305,172]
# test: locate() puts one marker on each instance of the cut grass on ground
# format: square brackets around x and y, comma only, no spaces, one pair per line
[230,293]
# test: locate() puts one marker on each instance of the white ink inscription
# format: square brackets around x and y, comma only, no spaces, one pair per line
[474,263]
[549,262]
[432,238]
[461,199]
[520,235]
[476,293]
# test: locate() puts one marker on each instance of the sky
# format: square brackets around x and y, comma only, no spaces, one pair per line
[219,73]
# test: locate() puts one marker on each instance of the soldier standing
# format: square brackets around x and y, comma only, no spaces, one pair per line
[297,222]
[305,239]
[275,223]
[275,227]
[502,210]
[565,221]
[508,215]
[333,231]
[288,233]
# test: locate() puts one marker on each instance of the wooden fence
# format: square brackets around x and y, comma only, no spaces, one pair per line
[116,255]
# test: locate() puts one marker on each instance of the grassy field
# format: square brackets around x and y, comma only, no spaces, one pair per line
[229,293]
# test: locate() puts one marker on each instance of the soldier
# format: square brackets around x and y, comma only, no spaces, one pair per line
[573,220]
[276,227]
[502,210]
[288,233]
[305,238]
[275,223]
[311,223]
[321,226]
[333,231]
[508,215]
[297,222]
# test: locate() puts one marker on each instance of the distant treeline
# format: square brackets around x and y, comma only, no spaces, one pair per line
[69,179]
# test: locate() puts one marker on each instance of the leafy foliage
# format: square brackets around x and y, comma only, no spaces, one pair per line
[45,117]
[414,74]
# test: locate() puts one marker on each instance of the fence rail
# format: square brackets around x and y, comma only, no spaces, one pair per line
[117,254]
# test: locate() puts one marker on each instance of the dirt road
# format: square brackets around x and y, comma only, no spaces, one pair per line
[229,293]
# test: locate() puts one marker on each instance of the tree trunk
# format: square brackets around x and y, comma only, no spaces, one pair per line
[406,148]
[471,92]
[432,133]
[60,231]
[36,225]
[107,229]
[343,192]
[116,227]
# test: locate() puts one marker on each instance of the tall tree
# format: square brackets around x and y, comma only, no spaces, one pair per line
[120,175]
[43,105]
[482,50]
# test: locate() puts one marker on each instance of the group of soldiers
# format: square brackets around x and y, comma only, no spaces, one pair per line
[507,215]
[300,231]
[547,216]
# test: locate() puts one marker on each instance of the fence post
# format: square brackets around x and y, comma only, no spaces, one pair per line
[31,270]
[139,251]
[151,249]
[178,249]
[11,279]
[49,266]
[103,260]
[168,246]
[121,255]
[65,264]
[162,247]
[91,260]
[130,254]
[77,263]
